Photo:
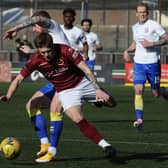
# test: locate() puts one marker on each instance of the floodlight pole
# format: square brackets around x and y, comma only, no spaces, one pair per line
[31,8]
[160,11]
[84,9]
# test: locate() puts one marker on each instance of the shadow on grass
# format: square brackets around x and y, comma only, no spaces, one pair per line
[159,157]
[120,121]
[120,160]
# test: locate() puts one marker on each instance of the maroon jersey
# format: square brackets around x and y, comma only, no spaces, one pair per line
[65,75]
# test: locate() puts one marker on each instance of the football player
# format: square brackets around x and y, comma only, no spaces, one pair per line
[66,69]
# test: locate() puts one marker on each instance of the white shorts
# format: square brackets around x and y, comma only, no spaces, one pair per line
[75,96]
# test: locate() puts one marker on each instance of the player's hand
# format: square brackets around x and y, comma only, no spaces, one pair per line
[145,43]
[85,57]
[25,48]
[10,34]
[101,95]
[4,98]
[126,57]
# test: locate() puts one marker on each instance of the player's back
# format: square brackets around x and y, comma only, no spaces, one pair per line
[75,35]
[57,34]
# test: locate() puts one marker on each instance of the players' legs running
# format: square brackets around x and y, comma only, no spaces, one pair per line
[138,102]
[56,125]
[154,78]
[84,90]
[139,81]
[72,108]
[41,99]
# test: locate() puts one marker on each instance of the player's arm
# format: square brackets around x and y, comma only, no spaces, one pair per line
[44,22]
[131,48]
[27,50]
[12,88]
[162,41]
[99,93]
[85,46]
[98,46]
[85,49]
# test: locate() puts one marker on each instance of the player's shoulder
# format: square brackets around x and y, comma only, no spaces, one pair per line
[62,26]
[135,25]
[54,22]
[93,34]
[77,29]
[151,21]
[35,58]
[65,48]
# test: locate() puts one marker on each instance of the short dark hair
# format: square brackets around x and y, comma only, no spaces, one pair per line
[87,20]
[142,4]
[42,13]
[43,40]
[69,10]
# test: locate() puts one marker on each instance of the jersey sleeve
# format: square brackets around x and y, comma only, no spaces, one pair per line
[83,38]
[97,41]
[159,29]
[74,56]
[29,67]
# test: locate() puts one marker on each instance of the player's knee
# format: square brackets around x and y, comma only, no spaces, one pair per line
[28,106]
[76,118]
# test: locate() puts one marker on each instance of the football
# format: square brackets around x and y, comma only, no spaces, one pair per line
[10,148]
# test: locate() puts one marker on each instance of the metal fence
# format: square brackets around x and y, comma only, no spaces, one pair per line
[112,19]
[103,57]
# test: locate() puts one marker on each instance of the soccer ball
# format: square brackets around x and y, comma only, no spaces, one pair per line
[10,147]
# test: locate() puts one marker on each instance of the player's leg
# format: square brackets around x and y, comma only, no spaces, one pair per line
[154,78]
[56,125]
[90,131]
[139,81]
[72,108]
[138,103]
[41,99]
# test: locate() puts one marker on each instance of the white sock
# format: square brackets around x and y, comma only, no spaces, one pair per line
[52,150]
[44,140]
[103,143]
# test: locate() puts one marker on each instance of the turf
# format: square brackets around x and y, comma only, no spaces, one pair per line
[136,149]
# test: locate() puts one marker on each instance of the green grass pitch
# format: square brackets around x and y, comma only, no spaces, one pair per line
[136,149]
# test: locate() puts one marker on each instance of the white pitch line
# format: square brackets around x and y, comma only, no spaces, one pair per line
[120,142]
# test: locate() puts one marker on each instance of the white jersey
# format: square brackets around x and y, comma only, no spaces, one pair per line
[57,34]
[150,31]
[92,40]
[75,36]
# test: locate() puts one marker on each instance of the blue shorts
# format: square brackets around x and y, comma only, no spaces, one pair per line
[150,72]
[90,64]
[48,90]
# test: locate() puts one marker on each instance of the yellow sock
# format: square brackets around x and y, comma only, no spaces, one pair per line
[138,102]
[55,116]
[34,112]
